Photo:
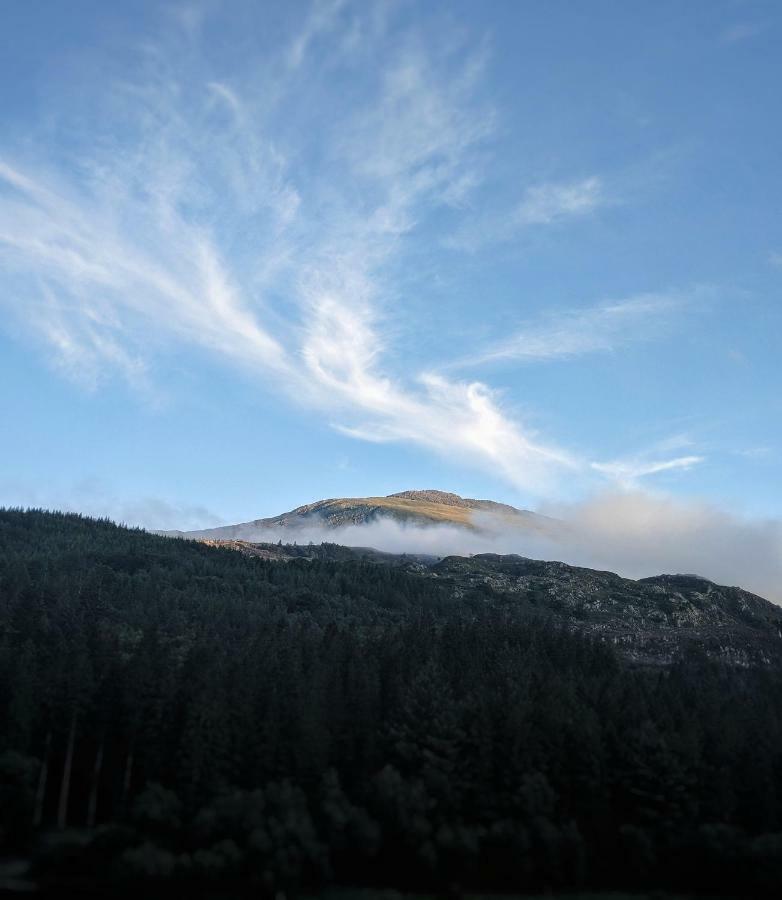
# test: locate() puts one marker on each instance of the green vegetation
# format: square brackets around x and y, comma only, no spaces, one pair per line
[189,715]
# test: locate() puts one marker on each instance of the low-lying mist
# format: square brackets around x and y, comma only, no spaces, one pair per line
[635,534]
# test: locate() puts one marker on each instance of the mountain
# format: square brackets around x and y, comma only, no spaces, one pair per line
[651,621]
[420,508]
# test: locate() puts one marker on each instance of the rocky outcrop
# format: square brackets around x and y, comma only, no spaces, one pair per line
[651,621]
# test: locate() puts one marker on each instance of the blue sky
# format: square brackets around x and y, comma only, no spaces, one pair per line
[252,255]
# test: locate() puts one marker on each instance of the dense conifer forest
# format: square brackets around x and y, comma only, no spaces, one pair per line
[179,715]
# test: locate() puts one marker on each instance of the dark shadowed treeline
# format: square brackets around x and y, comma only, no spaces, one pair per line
[191,715]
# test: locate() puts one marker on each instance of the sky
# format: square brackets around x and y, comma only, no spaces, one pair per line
[257,254]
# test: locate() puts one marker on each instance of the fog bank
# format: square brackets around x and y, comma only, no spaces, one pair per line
[634,533]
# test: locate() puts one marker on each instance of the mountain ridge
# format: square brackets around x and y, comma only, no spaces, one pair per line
[423,508]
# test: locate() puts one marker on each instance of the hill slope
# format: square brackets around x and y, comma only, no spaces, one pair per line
[218,723]
[651,621]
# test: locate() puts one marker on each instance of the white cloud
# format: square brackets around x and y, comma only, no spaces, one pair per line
[760,452]
[740,31]
[321,18]
[547,204]
[95,497]
[639,534]
[226,95]
[184,218]
[189,213]
[775,259]
[602,328]
[542,205]
[107,289]
[627,472]
[455,419]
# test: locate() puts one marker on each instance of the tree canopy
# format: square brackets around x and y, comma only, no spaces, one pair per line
[201,717]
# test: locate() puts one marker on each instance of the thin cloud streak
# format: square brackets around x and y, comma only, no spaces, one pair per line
[627,472]
[603,328]
[322,18]
[547,204]
[741,31]
[543,205]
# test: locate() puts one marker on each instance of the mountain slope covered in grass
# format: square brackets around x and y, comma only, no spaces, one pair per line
[417,508]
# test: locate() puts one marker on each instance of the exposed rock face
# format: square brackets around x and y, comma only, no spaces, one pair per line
[650,621]
[442,497]
[423,508]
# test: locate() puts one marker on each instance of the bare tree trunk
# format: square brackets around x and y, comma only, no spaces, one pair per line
[127,778]
[65,784]
[43,775]
[92,806]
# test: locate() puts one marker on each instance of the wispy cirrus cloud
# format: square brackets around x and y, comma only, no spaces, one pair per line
[541,205]
[255,215]
[759,452]
[601,328]
[321,19]
[199,230]
[464,420]
[547,204]
[627,472]
[105,290]
[739,31]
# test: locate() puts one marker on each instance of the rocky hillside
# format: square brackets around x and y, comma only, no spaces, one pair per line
[650,621]
[420,508]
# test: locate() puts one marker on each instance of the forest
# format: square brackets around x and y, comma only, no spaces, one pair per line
[176,714]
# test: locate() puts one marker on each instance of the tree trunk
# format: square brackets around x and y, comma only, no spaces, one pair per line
[127,778]
[92,806]
[65,784]
[40,793]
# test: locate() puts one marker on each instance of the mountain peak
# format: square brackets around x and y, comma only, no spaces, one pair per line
[413,507]
[432,496]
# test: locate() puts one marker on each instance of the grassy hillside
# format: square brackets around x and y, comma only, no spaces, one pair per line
[420,508]
[400,508]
